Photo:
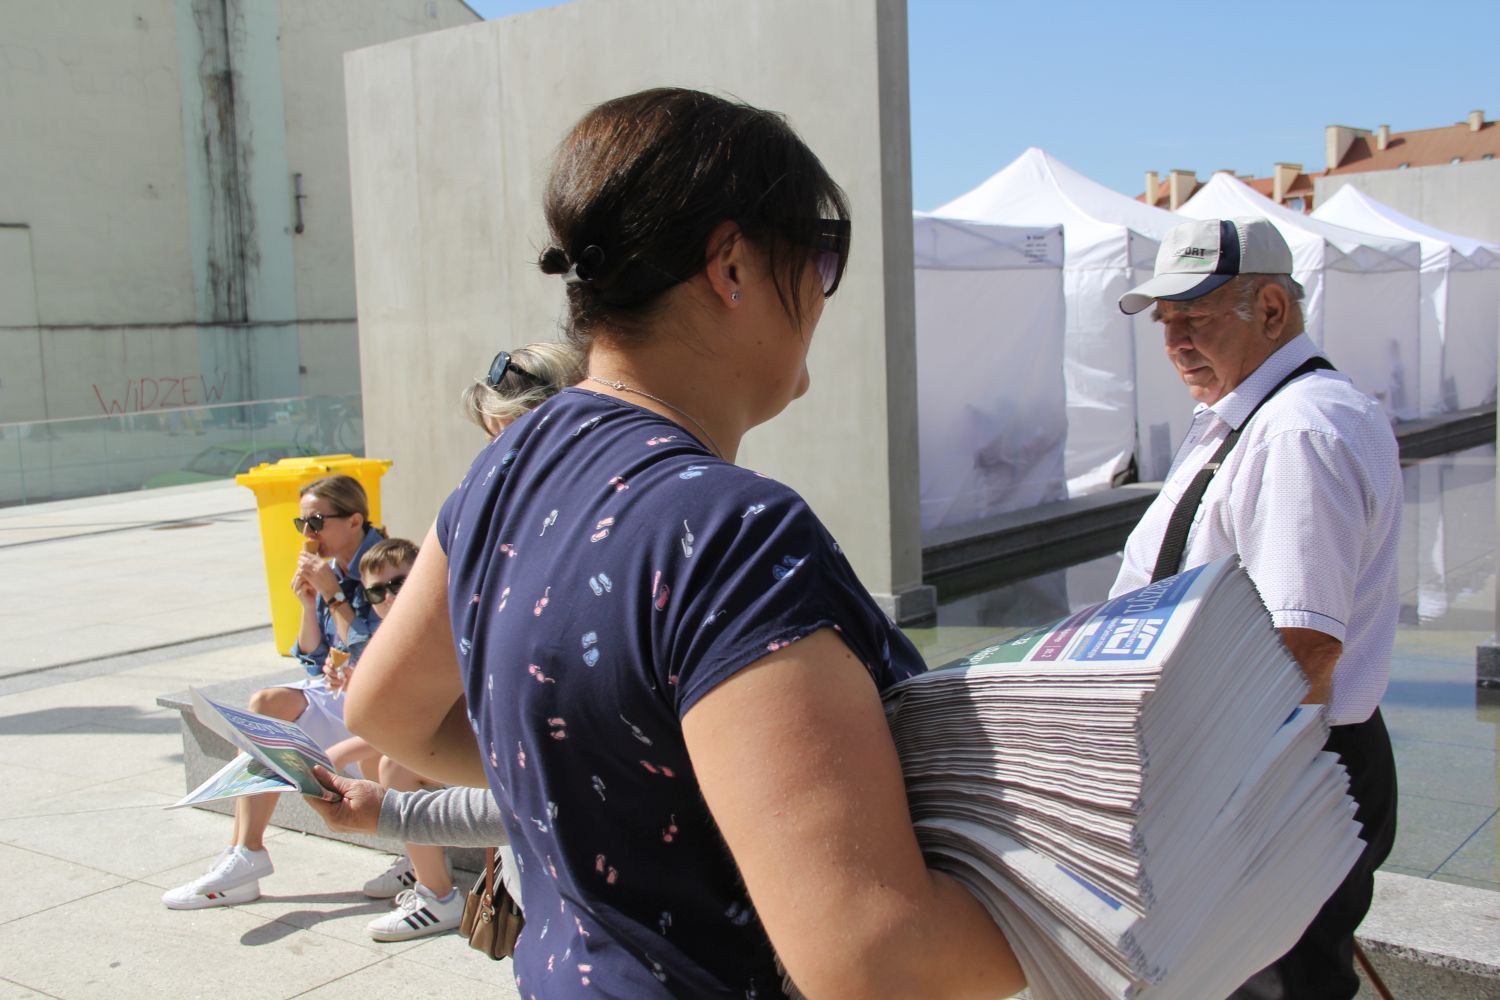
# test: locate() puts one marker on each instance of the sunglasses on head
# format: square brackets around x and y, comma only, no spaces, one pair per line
[314,521]
[829,243]
[378,592]
[503,365]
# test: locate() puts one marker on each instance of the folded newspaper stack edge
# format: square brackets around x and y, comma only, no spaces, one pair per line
[1134,793]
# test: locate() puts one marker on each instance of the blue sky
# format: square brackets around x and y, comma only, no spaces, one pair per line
[1115,89]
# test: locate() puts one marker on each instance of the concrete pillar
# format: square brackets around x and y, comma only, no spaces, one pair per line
[451,136]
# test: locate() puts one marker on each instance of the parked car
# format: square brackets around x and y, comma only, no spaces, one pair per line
[222,461]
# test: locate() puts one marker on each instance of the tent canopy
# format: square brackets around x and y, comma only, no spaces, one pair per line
[1343,249]
[1037,189]
[1460,301]
[1353,208]
[1117,379]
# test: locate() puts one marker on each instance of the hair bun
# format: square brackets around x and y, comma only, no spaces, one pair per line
[554,260]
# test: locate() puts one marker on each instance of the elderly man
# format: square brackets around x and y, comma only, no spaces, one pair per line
[1291,467]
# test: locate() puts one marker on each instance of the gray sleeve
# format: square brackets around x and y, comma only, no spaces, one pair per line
[453,817]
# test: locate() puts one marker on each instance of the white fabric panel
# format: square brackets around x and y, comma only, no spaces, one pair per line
[1459,317]
[992,419]
[1107,237]
[1367,321]
[1099,368]
[1471,327]
[1379,356]
[1164,408]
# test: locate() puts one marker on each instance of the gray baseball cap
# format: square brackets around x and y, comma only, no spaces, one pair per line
[1197,257]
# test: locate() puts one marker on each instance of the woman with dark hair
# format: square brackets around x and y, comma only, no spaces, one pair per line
[672,672]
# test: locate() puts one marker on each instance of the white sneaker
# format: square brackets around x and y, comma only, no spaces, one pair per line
[417,914]
[398,877]
[233,878]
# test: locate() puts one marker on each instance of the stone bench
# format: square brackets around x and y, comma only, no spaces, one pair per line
[205,751]
[1433,939]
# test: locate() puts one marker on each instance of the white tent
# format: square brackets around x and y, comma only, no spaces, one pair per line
[990,406]
[1460,300]
[1362,291]
[1115,366]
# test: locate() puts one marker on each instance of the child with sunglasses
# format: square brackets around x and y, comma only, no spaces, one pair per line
[426,901]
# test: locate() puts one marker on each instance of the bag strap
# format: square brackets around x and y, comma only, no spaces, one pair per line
[1174,542]
[489,872]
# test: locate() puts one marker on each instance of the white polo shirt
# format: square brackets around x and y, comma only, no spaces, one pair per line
[1310,498]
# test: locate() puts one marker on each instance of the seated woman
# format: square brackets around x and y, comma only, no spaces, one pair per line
[335,523]
[672,671]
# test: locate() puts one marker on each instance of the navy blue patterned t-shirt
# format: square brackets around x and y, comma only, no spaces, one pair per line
[605,572]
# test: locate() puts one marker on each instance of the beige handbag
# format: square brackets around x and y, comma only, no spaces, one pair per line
[492,921]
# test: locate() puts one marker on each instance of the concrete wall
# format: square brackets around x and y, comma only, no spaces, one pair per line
[1461,198]
[151,202]
[451,136]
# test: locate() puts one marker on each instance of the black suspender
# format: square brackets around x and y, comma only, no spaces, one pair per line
[1174,542]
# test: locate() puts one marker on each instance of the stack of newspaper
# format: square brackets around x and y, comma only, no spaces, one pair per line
[1134,793]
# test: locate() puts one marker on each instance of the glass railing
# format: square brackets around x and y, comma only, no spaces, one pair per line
[87,456]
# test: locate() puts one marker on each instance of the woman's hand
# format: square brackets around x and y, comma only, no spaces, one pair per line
[306,593]
[357,811]
[317,573]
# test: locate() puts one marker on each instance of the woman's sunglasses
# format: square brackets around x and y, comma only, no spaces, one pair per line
[502,365]
[830,246]
[378,592]
[314,521]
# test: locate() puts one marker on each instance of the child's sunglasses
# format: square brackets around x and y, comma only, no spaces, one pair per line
[378,592]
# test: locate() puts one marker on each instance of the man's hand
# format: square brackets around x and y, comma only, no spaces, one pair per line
[359,808]
[1317,653]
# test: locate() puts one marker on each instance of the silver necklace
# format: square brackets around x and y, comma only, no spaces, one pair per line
[622,387]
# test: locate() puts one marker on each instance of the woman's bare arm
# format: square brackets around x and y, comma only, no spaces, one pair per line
[407,698]
[797,765]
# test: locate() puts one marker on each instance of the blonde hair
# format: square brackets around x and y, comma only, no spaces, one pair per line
[343,492]
[557,366]
[391,553]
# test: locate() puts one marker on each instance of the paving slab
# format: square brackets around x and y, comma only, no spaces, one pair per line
[15,991]
[1429,831]
[144,586]
[125,831]
[38,882]
[398,977]
[451,953]
[1478,860]
[123,943]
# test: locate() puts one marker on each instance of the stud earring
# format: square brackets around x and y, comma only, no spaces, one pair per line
[734,295]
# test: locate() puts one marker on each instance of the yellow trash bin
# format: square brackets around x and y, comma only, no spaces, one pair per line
[276,489]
